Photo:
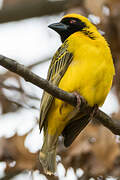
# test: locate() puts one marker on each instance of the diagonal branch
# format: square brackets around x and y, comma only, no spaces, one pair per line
[70,98]
[111,124]
[36,80]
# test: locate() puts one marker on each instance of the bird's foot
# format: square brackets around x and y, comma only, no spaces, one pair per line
[79,98]
[94,112]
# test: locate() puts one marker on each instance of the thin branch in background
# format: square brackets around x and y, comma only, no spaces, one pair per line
[20,90]
[39,62]
[21,105]
[29,8]
[70,98]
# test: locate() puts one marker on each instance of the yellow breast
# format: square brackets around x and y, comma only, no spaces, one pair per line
[91,71]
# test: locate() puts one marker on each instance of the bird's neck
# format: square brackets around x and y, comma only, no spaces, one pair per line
[87,32]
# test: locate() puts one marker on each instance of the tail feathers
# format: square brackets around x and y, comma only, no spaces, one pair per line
[48,161]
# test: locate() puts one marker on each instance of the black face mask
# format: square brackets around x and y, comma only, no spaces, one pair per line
[67,27]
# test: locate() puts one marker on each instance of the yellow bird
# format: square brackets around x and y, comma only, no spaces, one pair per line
[83,64]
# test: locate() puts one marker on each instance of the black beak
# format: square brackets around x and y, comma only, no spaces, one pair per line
[58,27]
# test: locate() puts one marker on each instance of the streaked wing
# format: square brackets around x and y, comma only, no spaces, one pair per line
[58,67]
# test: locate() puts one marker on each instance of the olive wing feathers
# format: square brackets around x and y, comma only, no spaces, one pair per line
[57,68]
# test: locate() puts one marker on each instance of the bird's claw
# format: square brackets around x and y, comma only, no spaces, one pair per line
[79,98]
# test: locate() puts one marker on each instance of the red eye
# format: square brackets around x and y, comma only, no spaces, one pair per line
[72,21]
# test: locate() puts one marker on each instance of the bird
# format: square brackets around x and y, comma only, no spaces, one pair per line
[82,65]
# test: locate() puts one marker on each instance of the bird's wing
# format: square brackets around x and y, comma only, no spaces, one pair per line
[74,127]
[58,67]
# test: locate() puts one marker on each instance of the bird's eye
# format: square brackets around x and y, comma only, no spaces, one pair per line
[73,21]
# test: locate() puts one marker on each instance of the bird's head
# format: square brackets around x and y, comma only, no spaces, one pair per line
[72,23]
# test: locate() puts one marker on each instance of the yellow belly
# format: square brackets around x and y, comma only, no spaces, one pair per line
[91,83]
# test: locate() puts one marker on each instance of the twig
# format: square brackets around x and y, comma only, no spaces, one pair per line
[70,98]
[20,90]
[26,106]
[39,62]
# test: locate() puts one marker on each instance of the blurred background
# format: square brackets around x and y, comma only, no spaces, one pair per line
[25,37]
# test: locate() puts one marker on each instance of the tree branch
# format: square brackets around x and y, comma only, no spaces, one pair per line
[111,124]
[36,80]
[70,98]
